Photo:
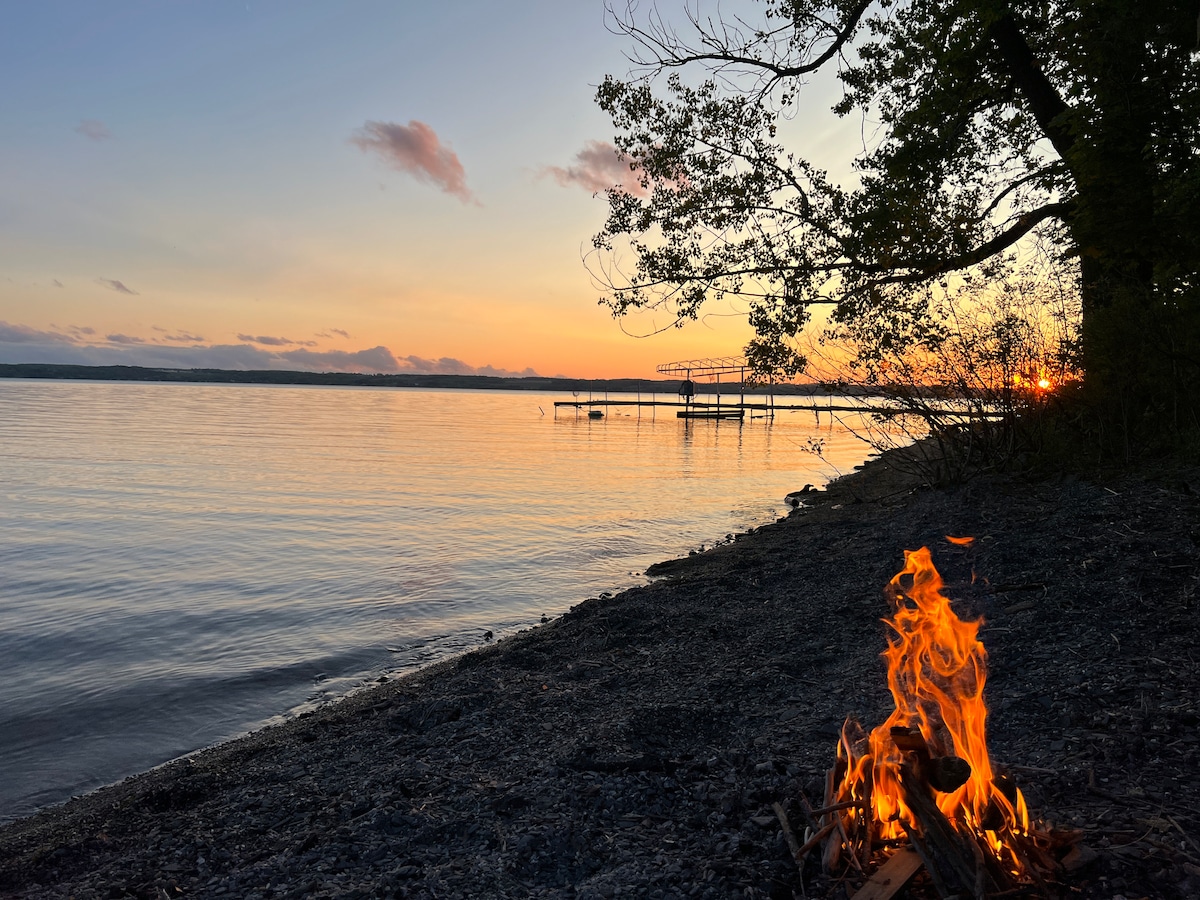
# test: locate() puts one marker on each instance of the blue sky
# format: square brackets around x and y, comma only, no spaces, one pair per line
[360,185]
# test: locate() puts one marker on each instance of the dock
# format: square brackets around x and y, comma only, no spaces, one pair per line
[723,409]
[730,406]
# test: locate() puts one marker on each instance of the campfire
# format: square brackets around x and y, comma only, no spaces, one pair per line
[919,791]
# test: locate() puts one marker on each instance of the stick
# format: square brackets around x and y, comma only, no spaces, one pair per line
[816,839]
[846,804]
[867,814]
[788,835]
[808,813]
[833,849]
[1187,837]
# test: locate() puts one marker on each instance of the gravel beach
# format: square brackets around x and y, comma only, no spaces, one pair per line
[636,746]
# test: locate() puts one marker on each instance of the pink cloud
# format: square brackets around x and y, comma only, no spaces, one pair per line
[94,129]
[416,149]
[598,167]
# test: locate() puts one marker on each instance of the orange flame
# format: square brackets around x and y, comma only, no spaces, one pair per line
[937,667]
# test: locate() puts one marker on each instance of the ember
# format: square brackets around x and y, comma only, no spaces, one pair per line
[923,779]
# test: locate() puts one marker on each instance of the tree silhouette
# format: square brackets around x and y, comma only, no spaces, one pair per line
[1073,123]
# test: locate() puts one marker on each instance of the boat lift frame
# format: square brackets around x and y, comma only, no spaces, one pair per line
[712,368]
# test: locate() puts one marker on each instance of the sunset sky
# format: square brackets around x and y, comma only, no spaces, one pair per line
[367,185]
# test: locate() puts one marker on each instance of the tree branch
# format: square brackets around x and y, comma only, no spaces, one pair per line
[1045,102]
[674,56]
[923,270]
[1015,185]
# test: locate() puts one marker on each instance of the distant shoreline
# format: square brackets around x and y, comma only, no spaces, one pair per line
[352,379]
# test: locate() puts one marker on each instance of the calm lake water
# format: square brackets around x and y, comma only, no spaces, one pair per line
[181,563]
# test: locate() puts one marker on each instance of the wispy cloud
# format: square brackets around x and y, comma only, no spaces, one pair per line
[416,149]
[269,341]
[598,167]
[339,331]
[94,129]
[113,285]
[123,339]
[56,282]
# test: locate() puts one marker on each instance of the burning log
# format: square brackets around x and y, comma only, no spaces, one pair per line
[942,773]
[954,861]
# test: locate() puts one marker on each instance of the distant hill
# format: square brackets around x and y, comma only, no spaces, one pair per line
[472,382]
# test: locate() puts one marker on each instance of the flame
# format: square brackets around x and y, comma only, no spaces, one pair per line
[937,667]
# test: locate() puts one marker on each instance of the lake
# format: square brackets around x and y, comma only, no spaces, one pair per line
[182,563]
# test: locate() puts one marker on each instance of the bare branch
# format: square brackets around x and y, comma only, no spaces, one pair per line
[729,48]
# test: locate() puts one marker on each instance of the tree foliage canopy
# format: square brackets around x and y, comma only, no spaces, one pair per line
[1077,122]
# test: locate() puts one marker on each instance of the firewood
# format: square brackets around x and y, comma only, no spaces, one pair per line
[931,868]
[832,851]
[835,807]
[867,814]
[947,773]
[943,773]
[909,740]
[789,835]
[812,842]
[890,878]
[799,852]
[947,854]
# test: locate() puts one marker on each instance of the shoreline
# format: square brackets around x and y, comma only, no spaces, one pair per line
[636,744]
[523,383]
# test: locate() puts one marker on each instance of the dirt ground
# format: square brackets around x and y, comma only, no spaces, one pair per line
[636,746]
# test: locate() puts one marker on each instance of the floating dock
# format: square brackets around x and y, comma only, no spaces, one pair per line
[738,413]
